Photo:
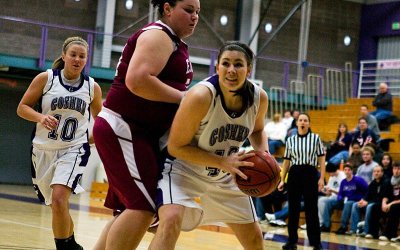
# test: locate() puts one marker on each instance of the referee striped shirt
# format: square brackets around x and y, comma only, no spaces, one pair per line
[304,149]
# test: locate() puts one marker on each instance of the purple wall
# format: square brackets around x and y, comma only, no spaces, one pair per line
[376,21]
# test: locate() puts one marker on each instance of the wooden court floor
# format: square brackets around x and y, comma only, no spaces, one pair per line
[26,224]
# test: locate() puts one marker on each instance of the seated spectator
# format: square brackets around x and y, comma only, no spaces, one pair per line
[371,120]
[386,163]
[365,205]
[339,149]
[355,158]
[276,132]
[287,119]
[365,170]
[364,135]
[351,190]
[269,203]
[391,205]
[278,218]
[330,191]
[293,127]
[383,103]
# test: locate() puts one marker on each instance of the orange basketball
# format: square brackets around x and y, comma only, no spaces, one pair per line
[262,178]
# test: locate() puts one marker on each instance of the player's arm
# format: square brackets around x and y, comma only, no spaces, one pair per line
[95,106]
[192,110]
[152,52]
[31,97]
[258,138]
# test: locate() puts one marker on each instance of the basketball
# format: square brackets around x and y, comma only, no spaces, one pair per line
[262,178]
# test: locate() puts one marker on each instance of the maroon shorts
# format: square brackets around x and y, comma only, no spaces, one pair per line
[130,162]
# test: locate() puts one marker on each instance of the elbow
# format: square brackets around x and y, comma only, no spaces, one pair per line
[19,110]
[134,82]
[172,150]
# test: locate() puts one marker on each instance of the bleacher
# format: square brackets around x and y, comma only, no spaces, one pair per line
[325,122]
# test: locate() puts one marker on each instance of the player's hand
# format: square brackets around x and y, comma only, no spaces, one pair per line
[49,122]
[232,163]
[281,186]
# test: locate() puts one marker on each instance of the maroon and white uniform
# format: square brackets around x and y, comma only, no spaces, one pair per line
[128,129]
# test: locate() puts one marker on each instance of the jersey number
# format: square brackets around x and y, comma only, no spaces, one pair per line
[68,129]
[215,171]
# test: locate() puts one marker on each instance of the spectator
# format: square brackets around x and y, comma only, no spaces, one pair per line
[276,132]
[287,119]
[383,103]
[293,127]
[278,218]
[371,120]
[355,159]
[386,163]
[391,205]
[330,190]
[364,135]
[351,190]
[365,170]
[339,149]
[366,205]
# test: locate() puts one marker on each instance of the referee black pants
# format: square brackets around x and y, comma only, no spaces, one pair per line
[303,183]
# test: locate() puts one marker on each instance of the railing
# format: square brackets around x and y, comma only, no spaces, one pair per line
[320,85]
[373,72]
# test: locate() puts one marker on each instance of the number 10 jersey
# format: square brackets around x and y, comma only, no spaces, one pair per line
[71,106]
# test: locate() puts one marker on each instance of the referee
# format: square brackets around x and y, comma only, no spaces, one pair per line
[304,151]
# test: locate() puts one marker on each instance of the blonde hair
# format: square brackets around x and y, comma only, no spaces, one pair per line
[59,63]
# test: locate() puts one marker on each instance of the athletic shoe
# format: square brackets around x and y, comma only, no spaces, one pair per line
[280,223]
[383,238]
[304,227]
[361,234]
[270,217]
[325,229]
[341,230]
[397,239]
[350,232]
[289,246]
[369,236]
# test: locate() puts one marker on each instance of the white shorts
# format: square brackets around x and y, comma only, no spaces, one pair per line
[220,202]
[63,167]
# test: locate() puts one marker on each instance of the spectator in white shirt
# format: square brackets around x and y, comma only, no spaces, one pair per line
[276,132]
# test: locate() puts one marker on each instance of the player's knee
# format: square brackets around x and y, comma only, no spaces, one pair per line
[255,242]
[59,204]
[171,220]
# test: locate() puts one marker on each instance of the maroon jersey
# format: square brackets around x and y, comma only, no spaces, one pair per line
[150,117]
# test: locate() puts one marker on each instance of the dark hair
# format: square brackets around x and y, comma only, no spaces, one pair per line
[247,90]
[160,5]
[390,159]
[355,143]
[59,63]
[338,132]
[364,105]
[304,113]
[362,118]
[396,164]
[331,168]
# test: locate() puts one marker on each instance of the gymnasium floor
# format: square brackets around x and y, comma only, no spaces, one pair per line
[25,224]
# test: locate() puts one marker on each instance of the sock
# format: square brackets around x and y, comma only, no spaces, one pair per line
[67,244]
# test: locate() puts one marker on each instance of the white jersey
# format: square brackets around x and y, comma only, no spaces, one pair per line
[220,132]
[71,106]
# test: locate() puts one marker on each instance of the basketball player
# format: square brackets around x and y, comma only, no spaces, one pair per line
[151,79]
[212,122]
[303,153]
[67,99]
